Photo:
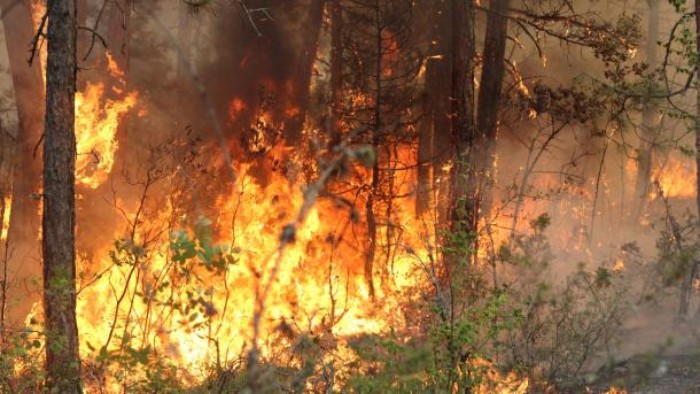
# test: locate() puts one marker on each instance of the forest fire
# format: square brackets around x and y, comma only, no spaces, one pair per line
[319,289]
[343,196]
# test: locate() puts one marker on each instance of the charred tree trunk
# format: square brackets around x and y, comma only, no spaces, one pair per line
[492,74]
[336,70]
[465,192]
[29,94]
[58,244]
[434,140]
[375,137]
[7,153]
[647,144]
[302,79]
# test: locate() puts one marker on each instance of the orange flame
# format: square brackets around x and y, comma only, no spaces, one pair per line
[96,121]
[6,217]
[677,178]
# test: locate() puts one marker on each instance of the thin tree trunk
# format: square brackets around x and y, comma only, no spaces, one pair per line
[7,153]
[58,244]
[464,194]
[647,144]
[302,78]
[336,70]
[434,149]
[492,74]
[29,94]
[375,136]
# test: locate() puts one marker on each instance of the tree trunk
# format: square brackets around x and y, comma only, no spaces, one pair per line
[336,70]
[377,125]
[492,74]
[29,94]
[7,153]
[58,244]
[304,71]
[647,144]
[464,199]
[434,149]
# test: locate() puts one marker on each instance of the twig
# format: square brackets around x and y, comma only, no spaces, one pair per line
[37,38]
[94,29]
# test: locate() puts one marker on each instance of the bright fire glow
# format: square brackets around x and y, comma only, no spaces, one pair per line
[5,217]
[320,286]
[96,122]
[677,177]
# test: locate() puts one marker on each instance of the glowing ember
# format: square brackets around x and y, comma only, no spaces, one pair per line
[236,107]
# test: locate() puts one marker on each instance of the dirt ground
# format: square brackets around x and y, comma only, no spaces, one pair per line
[663,356]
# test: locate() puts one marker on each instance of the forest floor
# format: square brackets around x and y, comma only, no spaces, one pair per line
[661,357]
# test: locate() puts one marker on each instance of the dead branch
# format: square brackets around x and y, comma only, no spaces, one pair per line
[38,38]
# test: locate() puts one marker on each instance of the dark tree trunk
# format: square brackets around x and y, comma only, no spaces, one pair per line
[464,194]
[62,361]
[493,69]
[336,70]
[434,149]
[647,144]
[492,74]
[302,77]
[377,125]
[7,153]
[29,94]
